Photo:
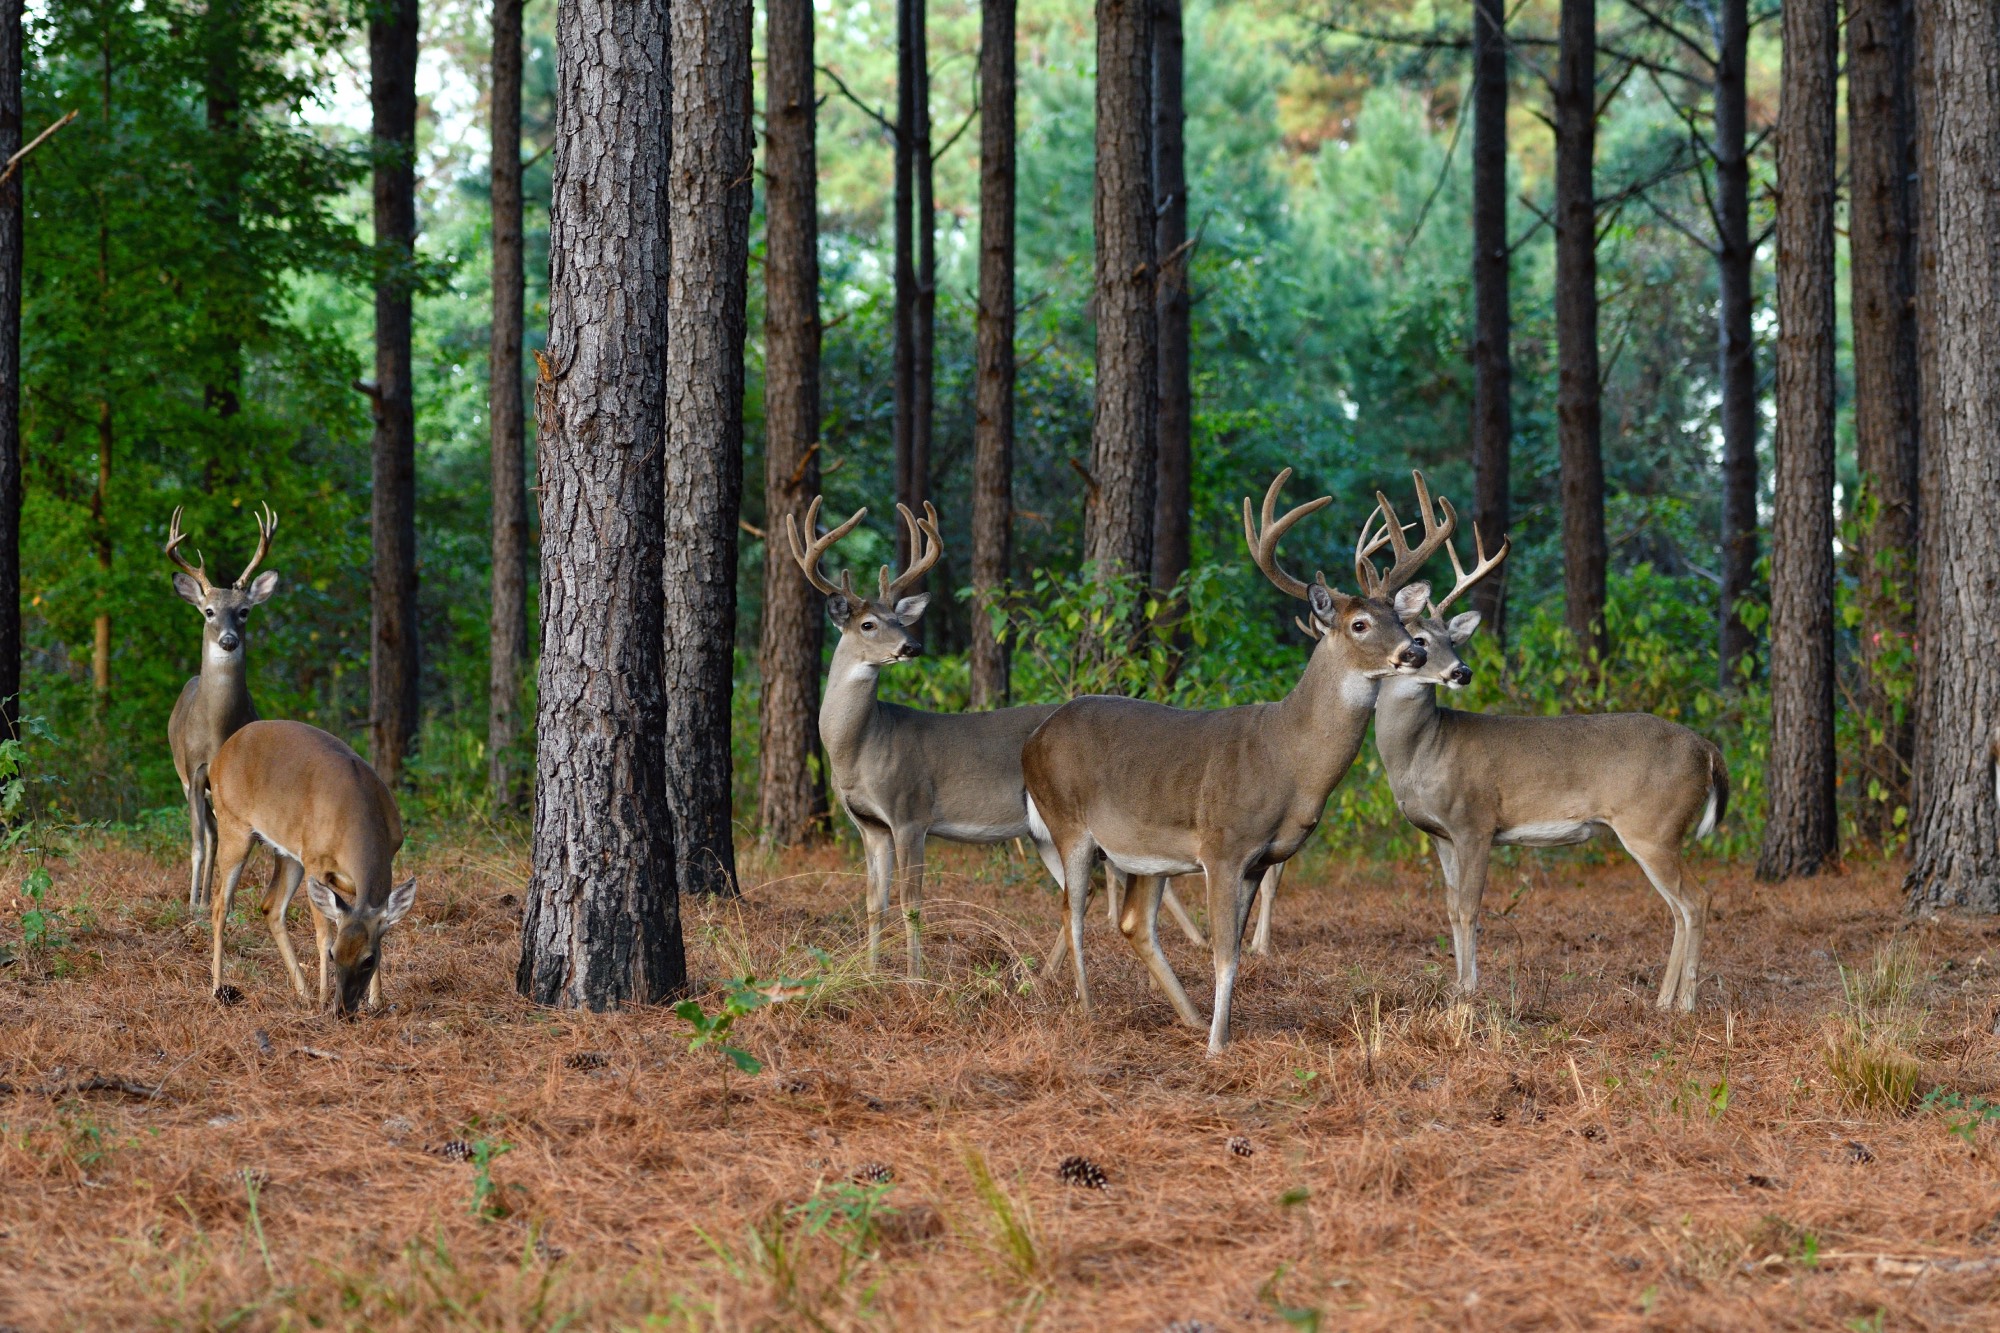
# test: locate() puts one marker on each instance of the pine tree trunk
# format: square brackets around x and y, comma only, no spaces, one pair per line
[1881,154]
[1118,516]
[1492,360]
[11,237]
[791,801]
[1172,505]
[1738,354]
[392,667]
[602,921]
[924,319]
[1955,827]
[224,40]
[709,230]
[1801,831]
[1579,411]
[909,487]
[993,422]
[507,634]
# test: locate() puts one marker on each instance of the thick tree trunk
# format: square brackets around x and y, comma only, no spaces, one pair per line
[1118,516]
[709,228]
[392,667]
[1955,829]
[1881,154]
[791,801]
[909,486]
[1801,830]
[1578,406]
[1492,359]
[11,237]
[993,404]
[1172,505]
[924,320]
[1737,351]
[602,922]
[508,626]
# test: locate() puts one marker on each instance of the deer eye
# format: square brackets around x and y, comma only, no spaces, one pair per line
[1359,627]
[1421,641]
[208,611]
[868,624]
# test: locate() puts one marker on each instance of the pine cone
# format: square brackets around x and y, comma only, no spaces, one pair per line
[454,1150]
[872,1173]
[1239,1145]
[586,1060]
[1082,1172]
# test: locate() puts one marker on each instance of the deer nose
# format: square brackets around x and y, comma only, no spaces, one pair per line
[228,640]
[1413,655]
[910,649]
[1461,674]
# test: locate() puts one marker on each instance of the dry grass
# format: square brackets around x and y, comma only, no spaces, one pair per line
[1554,1154]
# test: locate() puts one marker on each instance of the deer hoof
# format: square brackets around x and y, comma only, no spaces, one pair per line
[228,995]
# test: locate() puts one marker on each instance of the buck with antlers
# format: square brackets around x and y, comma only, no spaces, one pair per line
[1231,792]
[319,806]
[216,703]
[1472,780]
[904,775]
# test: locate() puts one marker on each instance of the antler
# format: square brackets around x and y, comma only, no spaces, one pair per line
[198,570]
[925,548]
[1262,539]
[1408,561]
[1464,581]
[809,556]
[267,523]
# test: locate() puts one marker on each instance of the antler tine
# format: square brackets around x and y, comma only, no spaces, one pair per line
[1410,560]
[1262,539]
[1462,581]
[1365,573]
[808,554]
[926,547]
[267,523]
[198,570]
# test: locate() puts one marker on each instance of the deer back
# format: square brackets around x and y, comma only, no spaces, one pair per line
[309,793]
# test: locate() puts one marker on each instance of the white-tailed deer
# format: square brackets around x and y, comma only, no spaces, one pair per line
[216,703]
[1472,780]
[904,775]
[1229,792]
[318,805]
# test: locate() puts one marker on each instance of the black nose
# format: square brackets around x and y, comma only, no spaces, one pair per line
[910,650]
[1461,674]
[228,641]
[1414,655]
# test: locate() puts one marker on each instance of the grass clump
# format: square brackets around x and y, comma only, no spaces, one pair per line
[1867,1046]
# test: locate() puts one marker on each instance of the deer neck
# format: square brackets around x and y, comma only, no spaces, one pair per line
[847,706]
[1326,715]
[1406,720]
[222,674]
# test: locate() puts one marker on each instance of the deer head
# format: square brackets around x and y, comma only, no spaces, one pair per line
[1442,639]
[358,927]
[223,610]
[877,628]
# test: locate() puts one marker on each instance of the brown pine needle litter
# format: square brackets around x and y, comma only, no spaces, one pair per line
[1815,1147]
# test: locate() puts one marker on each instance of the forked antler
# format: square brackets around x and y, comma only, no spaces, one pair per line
[1262,538]
[925,548]
[1464,581]
[197,571]
[267,523]
[808,556]
[1408,560]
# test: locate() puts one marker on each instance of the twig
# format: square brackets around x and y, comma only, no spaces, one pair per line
[122,1085]
[888,127]
[799,472]
[751,528]
[963,125]
[31,146]
[1437,188]
[1088,480]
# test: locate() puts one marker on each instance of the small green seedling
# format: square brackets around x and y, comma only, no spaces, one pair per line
[488,1196]
[742,996]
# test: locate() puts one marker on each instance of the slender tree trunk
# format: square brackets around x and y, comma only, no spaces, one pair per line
[602,922]
[1801,830]
[508,627]
[791,801]
[709,228]
[1118,517]
[909,486]
[993,423]
[1579,411]
[222,395]
[100,656]
[1492,358]
[392,668]
[1738,353]
[924,332]
[1955,828]
[1881,154]
[11,237]
[1173,503]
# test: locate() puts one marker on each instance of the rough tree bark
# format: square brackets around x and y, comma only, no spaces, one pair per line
[909,490]
[223,39]
[1955,828]
[923,332]
[791,801]
[602,922]
[1881,154]
[11,237]
[1118,514]
[1579,410]
[1737,351]
[508,624]
[1801,831]
[1172,505]
[1492,361]
[993,394]
[392,665]
[708,193]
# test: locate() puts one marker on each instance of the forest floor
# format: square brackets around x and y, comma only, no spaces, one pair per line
[1368,1154]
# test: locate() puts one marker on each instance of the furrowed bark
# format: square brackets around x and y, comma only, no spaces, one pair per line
[1737,350]
[507,631]
[909,489]
[1174,470]
[923,332]
[993,405]
[1492,361]
[1579,410]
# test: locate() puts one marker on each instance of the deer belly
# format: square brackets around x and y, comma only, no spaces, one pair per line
[1141,864]
[1548,833]
[980,832]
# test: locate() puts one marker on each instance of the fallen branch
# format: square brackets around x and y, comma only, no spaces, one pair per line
[97,1084]
[31,146]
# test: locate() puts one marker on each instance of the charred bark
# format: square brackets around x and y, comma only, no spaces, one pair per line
[993,423]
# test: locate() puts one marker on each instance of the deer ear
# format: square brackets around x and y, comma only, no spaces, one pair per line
[327,901]
[261,588]
[911,609]
[189,590]
[839,609]
[400,900]
[1321,600]
[1410,600]
[1463,626]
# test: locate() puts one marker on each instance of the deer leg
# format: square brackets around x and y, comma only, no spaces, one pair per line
[1465,878]
[323,939]
[1267,892]
[1180,915]
[1230,893]
[1076,885]
[1662,866]
[285,876]
[233,851]
[1059,951]
[1140,924]
[201,833]
[879,857]
[910,892]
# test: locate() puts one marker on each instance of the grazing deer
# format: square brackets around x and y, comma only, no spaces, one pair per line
[904,775]
[1472,780]
[1229,792]
[315,803]
[215,703]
